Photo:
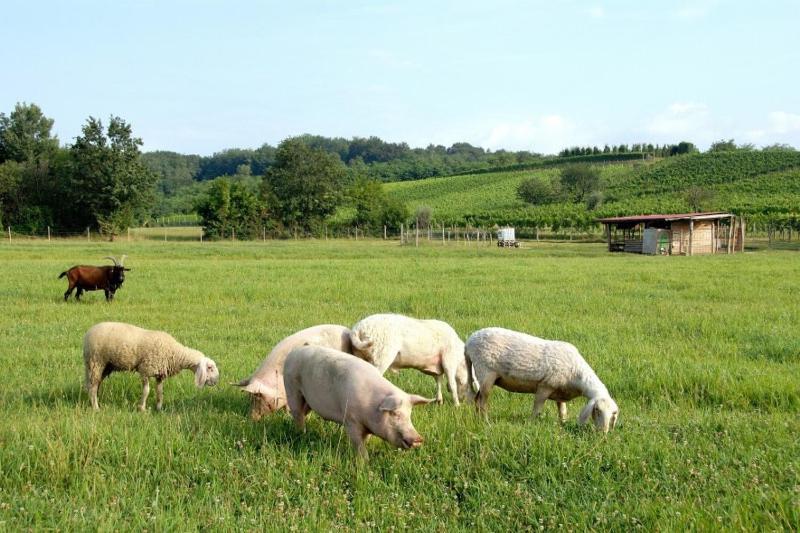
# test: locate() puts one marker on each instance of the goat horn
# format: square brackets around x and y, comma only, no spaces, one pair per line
[114,260]
[122,261]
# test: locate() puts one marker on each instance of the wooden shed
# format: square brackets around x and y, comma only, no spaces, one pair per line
[675,234]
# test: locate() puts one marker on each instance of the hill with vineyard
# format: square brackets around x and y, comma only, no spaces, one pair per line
[763,186]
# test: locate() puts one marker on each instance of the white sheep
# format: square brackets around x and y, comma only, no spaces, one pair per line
[431,346]
[114,346]
[553,370]
[266,384]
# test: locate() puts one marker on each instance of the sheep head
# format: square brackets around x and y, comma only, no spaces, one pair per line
[604,413]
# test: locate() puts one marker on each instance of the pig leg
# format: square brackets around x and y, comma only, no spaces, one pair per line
[358,437]
[542,394]
[562,411]
[439,397]
[298,407]
[145,392]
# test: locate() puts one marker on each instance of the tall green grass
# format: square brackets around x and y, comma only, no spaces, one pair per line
[701,353]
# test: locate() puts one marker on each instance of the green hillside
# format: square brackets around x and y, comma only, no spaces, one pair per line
[763,186]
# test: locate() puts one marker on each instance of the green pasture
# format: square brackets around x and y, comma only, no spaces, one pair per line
[702,354]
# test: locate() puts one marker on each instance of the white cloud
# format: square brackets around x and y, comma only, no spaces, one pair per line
[682,120]
[545,134]
[783,122]
[696,9]
[596,12]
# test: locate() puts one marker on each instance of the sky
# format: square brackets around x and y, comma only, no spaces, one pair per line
[202,76]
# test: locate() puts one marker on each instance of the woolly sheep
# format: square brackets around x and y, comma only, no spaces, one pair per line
[114,346]
[265,386]
[431,346]
[553,370]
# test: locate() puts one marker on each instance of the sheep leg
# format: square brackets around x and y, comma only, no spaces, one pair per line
[159,393]
[542,394]
[482,398]
[562,411]
[94,387]
[358,437]
[451,382]
[439,397]
[145,392]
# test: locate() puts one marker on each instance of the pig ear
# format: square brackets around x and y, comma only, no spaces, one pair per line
[417,400]
[390,403]
[254,387]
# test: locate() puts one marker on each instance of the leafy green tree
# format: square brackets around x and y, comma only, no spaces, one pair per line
[25,135]
[698,198]
[110,184]
[229,208]
[374,208]
[723,146]
[579,180]
[423,216]
[537,191]
[305,184]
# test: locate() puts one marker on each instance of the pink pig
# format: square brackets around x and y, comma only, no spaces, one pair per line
[345,389]
[266,384]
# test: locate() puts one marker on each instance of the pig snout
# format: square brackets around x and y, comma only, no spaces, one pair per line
[412,441]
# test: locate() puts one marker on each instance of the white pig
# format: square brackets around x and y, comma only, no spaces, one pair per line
[266,384]
[342,388]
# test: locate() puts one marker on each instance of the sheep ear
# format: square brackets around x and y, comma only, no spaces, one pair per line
[417,400]
[359,344]
[200,372]
[586,412]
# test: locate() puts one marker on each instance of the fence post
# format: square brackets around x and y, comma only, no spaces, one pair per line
[165,234]
[443,241]
[9,234]
[88,234]
[201,235]
[233,234]
[384,232]
[401,233]
[326,232]
[48,233]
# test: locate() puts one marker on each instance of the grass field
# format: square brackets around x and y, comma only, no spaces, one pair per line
[702,354]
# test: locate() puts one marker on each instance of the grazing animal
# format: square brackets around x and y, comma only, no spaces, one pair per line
[430,346]
[345,389]
[266,384]
[91,278]
[113,346]
[553,370]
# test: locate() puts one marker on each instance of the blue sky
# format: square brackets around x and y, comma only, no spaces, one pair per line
[202,76]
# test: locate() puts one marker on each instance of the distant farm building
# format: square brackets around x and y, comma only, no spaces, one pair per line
[681,234]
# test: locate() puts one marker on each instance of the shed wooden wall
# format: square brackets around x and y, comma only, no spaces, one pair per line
[703,238]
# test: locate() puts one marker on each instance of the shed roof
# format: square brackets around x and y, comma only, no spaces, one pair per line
[670,217]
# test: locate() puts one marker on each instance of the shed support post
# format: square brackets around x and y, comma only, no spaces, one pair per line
[691,234]
[742,225]
[608,235]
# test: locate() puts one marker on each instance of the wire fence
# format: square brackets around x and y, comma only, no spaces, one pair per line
[406,235]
